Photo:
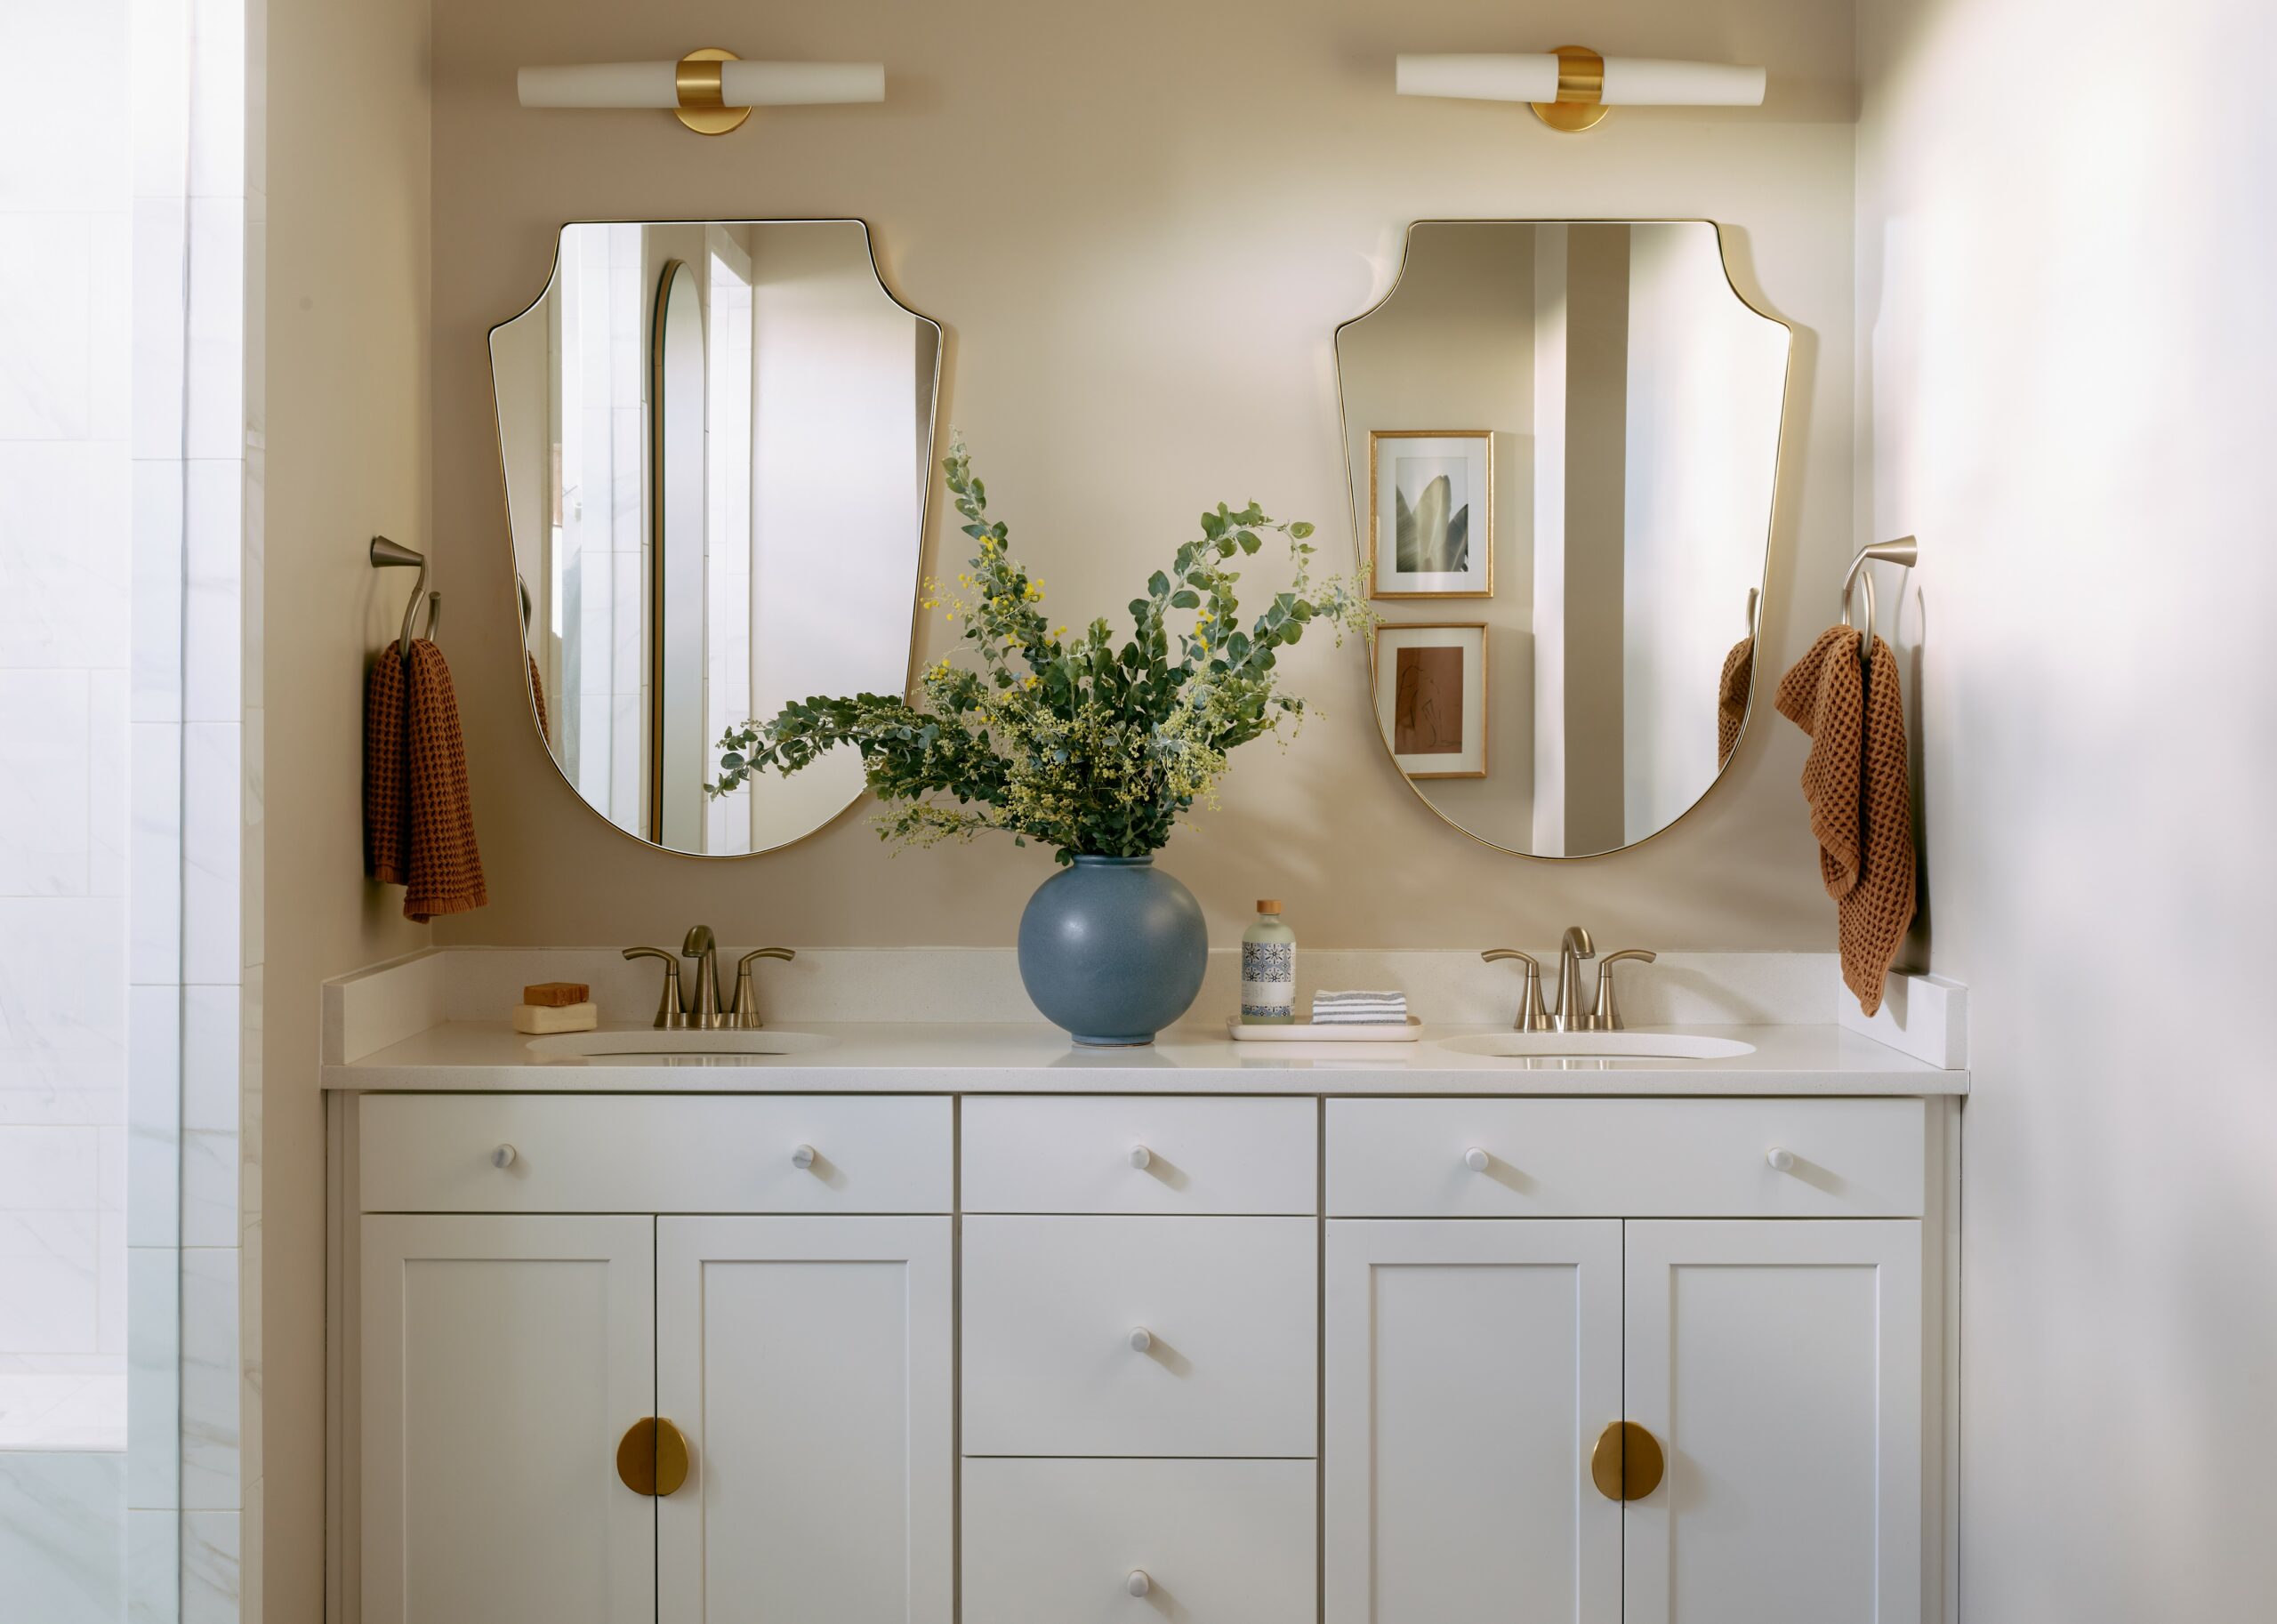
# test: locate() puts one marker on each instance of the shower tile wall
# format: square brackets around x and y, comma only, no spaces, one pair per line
[66,275]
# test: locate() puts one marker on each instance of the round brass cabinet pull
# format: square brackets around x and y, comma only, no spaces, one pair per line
[1627,1463]
[652,1457]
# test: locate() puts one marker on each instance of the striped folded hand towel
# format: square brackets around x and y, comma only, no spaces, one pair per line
[1359,1009]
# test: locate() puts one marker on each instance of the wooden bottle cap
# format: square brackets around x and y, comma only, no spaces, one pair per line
[556,994]
[1268,906]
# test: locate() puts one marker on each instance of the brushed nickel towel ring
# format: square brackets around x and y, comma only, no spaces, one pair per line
[1903,552]
[394,555]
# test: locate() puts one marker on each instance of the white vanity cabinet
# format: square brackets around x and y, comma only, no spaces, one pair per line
[1472,1364]
[804,1358]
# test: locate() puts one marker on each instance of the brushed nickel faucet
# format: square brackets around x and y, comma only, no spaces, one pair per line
[1573,1013]
[699,1007]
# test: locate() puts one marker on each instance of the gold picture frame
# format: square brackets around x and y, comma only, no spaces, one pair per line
[1476,453]
[1470,695]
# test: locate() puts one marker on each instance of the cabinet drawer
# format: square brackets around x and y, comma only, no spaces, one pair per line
[628,1153]
[1081,1156]
[1061,1541]
[1228,1307]
[1626,1158]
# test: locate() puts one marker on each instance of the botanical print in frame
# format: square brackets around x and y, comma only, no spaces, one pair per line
[1431,507]
[1431,697]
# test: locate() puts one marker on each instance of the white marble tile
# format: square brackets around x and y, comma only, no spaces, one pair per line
[158,104]
[153,1566]
[253,544]
[161,255]
[78,159]
[209,1378]
[43,777]
[41,1090]
[50,1170]
[62,1365]
[64,528]
[60,988]
[45,297]
[250,1101]
[213,547]
[78,1411]
[62,1525]
[154,853]
[110,323]
[212,1035]
[253,874]
[111,1297]
[153,1116]
[153,1376]
[251,1363]
[209,1567]
[108,766]
[50,1278]
[155,579]
[213,839]
[217,112]
[216,353]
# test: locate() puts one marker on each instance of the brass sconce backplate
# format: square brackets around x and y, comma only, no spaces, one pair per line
[698,81]
[1581,90]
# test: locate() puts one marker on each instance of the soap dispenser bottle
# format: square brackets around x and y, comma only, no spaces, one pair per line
[1269,969]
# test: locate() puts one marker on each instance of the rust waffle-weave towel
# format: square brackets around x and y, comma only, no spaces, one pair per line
[1861,799]
[1732,691]
[445,875]
[387,821]
[537,698]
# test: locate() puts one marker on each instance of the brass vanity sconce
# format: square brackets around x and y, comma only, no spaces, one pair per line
[710,90]
[1573,87]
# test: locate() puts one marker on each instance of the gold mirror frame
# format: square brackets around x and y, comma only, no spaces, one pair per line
[1363,564]
[924,507]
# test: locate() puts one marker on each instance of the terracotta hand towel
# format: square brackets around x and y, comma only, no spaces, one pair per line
[1732,692]
[444,874]
[537,698]
[386,822]
[1861,799]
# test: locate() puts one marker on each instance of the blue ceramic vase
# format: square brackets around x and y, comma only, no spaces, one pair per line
[1113,949]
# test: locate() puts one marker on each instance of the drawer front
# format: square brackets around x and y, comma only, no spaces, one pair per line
[1084,1155]
[1627,1158]
[1061,1541]
[1053,1306]
[629,1153]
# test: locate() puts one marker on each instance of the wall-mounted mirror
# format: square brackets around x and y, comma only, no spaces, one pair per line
[1563,439]
[718,439]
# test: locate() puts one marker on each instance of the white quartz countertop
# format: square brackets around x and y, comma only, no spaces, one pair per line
[998,1058]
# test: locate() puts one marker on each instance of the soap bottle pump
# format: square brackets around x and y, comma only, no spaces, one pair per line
[1269,969]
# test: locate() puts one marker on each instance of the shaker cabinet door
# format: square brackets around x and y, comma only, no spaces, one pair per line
[503,1360]
[1470,1367]
[1779,1366]
[807,1361]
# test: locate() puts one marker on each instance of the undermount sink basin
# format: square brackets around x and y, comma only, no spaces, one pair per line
[1600,1046]
[665,1047]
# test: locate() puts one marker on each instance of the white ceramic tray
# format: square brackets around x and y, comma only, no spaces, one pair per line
[1305,1032]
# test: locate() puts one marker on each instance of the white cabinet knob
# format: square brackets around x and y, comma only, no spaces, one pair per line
[503,1157]
[804,1156]
[1477,1160]
[1781,1159]
[1137,1584]
[1141,1340]
[1141,1157]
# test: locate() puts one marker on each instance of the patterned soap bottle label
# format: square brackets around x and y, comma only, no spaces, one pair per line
[1268,979]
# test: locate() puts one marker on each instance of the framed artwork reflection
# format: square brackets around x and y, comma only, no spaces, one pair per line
[1431,507]
[1431,697]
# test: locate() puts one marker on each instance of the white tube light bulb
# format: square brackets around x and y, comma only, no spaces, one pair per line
[655,85]
[1531,76]
[1629,81]
[1642,81]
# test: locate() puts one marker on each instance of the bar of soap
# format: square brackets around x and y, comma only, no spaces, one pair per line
[538,1019]
[556,995]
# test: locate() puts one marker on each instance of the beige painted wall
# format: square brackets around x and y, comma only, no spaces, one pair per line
[2068,343]
[1141,228]
[346,270]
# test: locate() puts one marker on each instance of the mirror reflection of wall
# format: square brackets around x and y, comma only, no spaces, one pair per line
[717,437]
[1591,411]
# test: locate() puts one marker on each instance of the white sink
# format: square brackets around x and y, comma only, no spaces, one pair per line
[1600,1046]
[676,1047]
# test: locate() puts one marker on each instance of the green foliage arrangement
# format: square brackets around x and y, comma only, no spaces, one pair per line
[1087,745]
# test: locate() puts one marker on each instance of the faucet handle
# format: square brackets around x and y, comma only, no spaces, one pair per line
[1532,1014]
[1607,1017]
[744,1013]
[670,1013]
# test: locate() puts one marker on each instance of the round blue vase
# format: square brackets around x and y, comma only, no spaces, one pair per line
[1113,949]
